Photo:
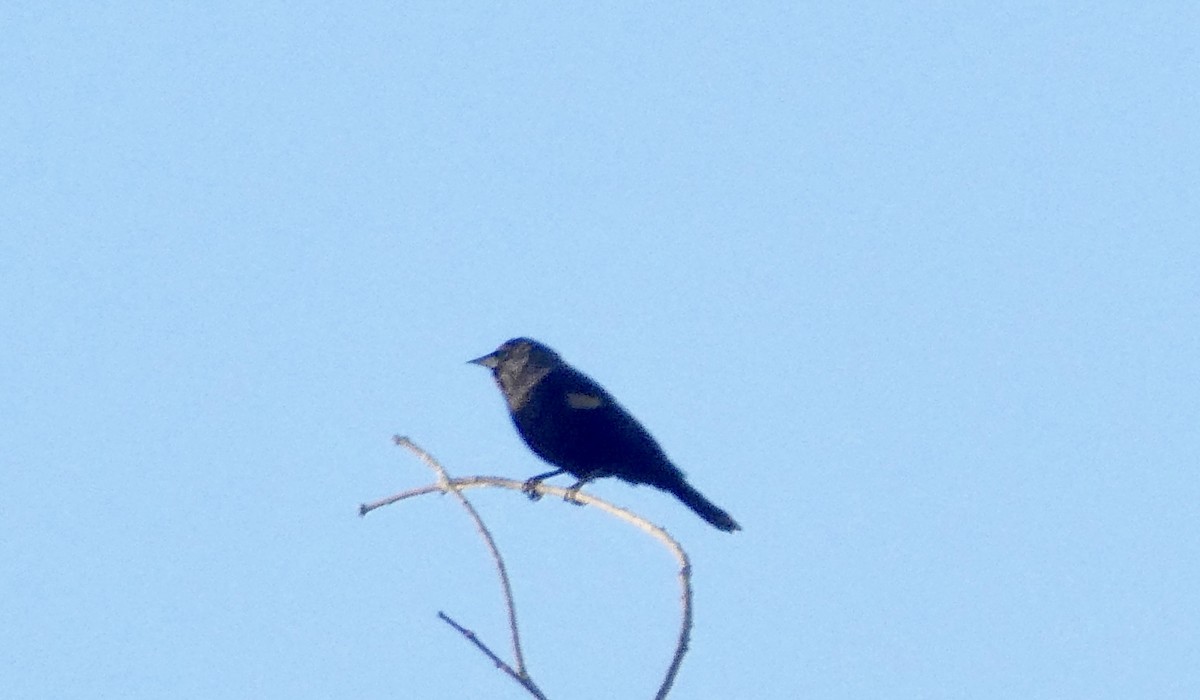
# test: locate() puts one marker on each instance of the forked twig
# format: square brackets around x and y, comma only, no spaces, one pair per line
[456,485]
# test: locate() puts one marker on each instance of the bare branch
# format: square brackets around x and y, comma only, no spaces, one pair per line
[456,485]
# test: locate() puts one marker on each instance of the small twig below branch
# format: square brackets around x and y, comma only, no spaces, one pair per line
[523,679]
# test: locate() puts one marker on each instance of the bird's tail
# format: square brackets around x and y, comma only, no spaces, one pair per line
[703,507]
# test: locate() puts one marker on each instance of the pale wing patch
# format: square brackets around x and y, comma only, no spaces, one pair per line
[577,399]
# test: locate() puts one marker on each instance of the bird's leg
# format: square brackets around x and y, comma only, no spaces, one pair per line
[531,484]
[573,489]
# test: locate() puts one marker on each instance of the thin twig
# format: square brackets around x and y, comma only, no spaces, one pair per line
[521,678]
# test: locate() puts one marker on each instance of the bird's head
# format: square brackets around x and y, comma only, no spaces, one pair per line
[513,356]
[518,365]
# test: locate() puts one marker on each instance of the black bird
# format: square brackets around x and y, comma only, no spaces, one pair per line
[574,424]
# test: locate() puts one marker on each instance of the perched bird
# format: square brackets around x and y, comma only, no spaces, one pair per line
[574,424]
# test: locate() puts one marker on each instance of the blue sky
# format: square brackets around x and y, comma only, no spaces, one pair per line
[908,288]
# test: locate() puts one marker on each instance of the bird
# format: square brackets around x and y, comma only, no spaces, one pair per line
[571,422]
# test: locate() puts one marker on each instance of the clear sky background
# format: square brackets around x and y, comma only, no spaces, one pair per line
[911,289]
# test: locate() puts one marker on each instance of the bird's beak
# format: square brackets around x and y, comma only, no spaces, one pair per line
[491,360]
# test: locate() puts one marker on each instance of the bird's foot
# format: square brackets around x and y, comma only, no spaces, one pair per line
[572,494]
[530,488]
